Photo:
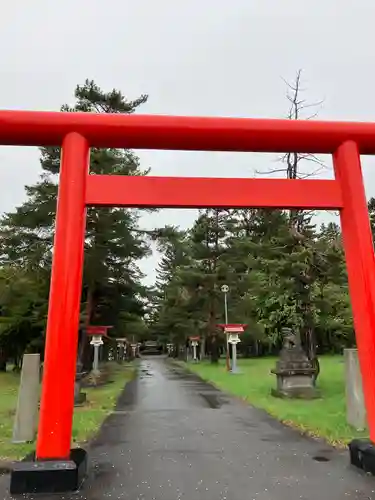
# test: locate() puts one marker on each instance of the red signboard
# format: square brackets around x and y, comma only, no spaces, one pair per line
[233,327]
[97,330]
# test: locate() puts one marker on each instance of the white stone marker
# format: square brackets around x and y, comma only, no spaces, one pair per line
[26,420]
[355,406]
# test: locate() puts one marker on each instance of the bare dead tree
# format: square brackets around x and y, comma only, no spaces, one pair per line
[299,165]
[296,110]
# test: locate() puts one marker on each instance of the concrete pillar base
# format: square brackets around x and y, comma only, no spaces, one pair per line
[49,476]
[362,455]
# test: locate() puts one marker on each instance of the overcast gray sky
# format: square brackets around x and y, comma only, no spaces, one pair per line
[193,57]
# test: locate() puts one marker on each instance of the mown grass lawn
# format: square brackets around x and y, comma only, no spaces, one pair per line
[325,417]
[87,419]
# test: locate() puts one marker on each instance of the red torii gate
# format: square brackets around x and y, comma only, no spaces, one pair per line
[77,132]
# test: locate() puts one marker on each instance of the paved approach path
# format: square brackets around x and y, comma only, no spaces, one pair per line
[173,437]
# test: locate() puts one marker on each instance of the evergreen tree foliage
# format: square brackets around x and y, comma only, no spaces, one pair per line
[277,275]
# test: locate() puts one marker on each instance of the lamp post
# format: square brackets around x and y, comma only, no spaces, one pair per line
[225,290]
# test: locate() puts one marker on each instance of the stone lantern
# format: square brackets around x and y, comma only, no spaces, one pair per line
[134,348]
[121,345]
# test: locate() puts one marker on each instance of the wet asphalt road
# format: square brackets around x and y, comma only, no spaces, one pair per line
[173,437]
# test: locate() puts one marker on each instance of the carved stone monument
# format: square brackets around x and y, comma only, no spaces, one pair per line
[294,371]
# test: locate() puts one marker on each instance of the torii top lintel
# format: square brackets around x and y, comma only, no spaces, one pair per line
[31,128]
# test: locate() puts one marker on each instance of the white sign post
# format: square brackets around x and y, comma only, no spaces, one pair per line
[194,343]
[234,340]
[232,332]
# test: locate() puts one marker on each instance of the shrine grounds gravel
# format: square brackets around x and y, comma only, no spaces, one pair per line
[87,419]
[325,417]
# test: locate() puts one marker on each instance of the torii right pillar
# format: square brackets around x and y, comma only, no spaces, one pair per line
[359,253]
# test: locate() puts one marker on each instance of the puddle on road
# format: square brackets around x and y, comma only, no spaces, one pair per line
[176,375]
[321,458]
[145,372]
[212,400]
[102,470]
[275,438]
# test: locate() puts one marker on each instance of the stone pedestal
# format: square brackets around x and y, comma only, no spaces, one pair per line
[297,384]
[355,406]
[294,371]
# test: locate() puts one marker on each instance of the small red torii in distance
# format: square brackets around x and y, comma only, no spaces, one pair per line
[77,132]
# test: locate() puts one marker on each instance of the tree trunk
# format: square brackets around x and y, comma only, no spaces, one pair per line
[203,348]
[214,350]
[86,353]
[256,348]
[311,352]
[3,361]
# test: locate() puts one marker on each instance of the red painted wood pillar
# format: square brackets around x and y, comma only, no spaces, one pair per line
[57,400]
[359,252]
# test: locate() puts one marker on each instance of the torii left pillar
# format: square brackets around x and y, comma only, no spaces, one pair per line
[55,467]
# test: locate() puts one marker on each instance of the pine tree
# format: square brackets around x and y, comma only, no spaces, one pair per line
[208,274]
[278,276]
[23,309]
[112,287]
[334,322]
[172,318]
[253,250]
